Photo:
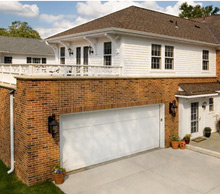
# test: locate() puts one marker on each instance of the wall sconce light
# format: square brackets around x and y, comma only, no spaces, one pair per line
[91,50]
[53,125]
[173,108]
[70,51]
[204,104]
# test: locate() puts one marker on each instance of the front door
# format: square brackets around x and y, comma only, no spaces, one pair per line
[194,117]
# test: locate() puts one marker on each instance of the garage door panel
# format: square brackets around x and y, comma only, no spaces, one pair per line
[77,146]
[104,141]
[94,137]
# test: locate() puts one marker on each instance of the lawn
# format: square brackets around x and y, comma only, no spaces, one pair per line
[10,184]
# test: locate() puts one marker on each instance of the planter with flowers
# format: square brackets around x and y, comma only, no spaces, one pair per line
[182,144]
[187,138]
[175,141]
[59,174]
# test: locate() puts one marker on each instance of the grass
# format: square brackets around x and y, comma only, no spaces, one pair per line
[10,184]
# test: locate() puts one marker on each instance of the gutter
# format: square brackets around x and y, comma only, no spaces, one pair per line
[196,96]
[122,31]
[11,130]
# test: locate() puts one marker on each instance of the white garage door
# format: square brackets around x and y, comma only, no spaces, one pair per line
[92,137]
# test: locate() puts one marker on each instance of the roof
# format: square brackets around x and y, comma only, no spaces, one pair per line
[198,88]
[213,22]
[144,20]
[17,45]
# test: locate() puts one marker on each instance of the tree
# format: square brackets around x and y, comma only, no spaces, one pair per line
[20,29]
[3,32]
[189,11]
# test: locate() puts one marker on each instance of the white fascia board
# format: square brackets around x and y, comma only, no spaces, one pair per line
[130,32]
[196,96]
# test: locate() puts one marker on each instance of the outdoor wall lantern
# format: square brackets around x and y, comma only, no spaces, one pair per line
[91,50]
[173,108]
[53,125]
[70,51]
[204,104]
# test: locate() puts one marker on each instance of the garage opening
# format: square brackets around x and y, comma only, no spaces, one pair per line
[93,137]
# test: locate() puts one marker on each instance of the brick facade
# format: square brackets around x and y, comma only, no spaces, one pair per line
[5,126]
[36,151]
[35,99]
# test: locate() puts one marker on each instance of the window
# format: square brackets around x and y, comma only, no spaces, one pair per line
[78,55]
[168,57]
[29,60]
[205,60]
[156,56]
[36,60]
[211,104]
[107,53]
[7,59]
[44,60]
[62,55]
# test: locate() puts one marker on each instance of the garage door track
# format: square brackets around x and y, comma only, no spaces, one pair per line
[164,171]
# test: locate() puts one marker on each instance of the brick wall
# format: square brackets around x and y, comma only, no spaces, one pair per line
[5,126]
[36,151]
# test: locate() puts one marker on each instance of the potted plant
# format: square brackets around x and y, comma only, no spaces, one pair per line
[187,138]
[207,131]
[175,141]
[182,144]
[58,174]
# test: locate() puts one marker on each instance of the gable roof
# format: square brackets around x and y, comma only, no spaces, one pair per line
[192,89]
[17,45]
[213,22]
[144,20]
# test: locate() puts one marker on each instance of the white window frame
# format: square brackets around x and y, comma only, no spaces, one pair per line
[211,104]
[205,60]
[169,57]
[154,56]
[107,54]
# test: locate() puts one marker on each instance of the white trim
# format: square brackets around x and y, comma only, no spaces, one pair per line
[162,126]
[196,96]
[113,30]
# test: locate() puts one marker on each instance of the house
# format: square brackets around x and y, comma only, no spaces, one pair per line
[121,84]
[17,52]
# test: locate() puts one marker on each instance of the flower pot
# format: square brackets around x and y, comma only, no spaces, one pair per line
[175,144]
[58,178]
[182,144]
[187,140]
[207,134]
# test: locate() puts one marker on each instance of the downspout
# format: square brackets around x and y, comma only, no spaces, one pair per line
[12,130]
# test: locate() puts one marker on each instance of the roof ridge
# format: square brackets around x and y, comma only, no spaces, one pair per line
[21,37]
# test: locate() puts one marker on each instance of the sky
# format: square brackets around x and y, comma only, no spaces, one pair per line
[51,17]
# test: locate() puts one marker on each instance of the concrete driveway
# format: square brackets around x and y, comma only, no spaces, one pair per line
[163,171]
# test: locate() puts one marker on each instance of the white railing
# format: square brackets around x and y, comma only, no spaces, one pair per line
[8,71]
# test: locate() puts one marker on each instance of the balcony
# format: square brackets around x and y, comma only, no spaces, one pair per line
[8,71]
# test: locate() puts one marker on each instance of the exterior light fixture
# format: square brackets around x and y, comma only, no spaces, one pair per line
[204,104]
[173,108]
[91,50]
[70,51]
[53,125]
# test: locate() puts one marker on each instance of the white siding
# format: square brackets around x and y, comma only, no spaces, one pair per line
[206,118]
[95,58]
[187,58]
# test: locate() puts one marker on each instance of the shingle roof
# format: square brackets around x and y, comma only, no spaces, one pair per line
[213,22]
[143,20]
[17,45]
[199,88]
